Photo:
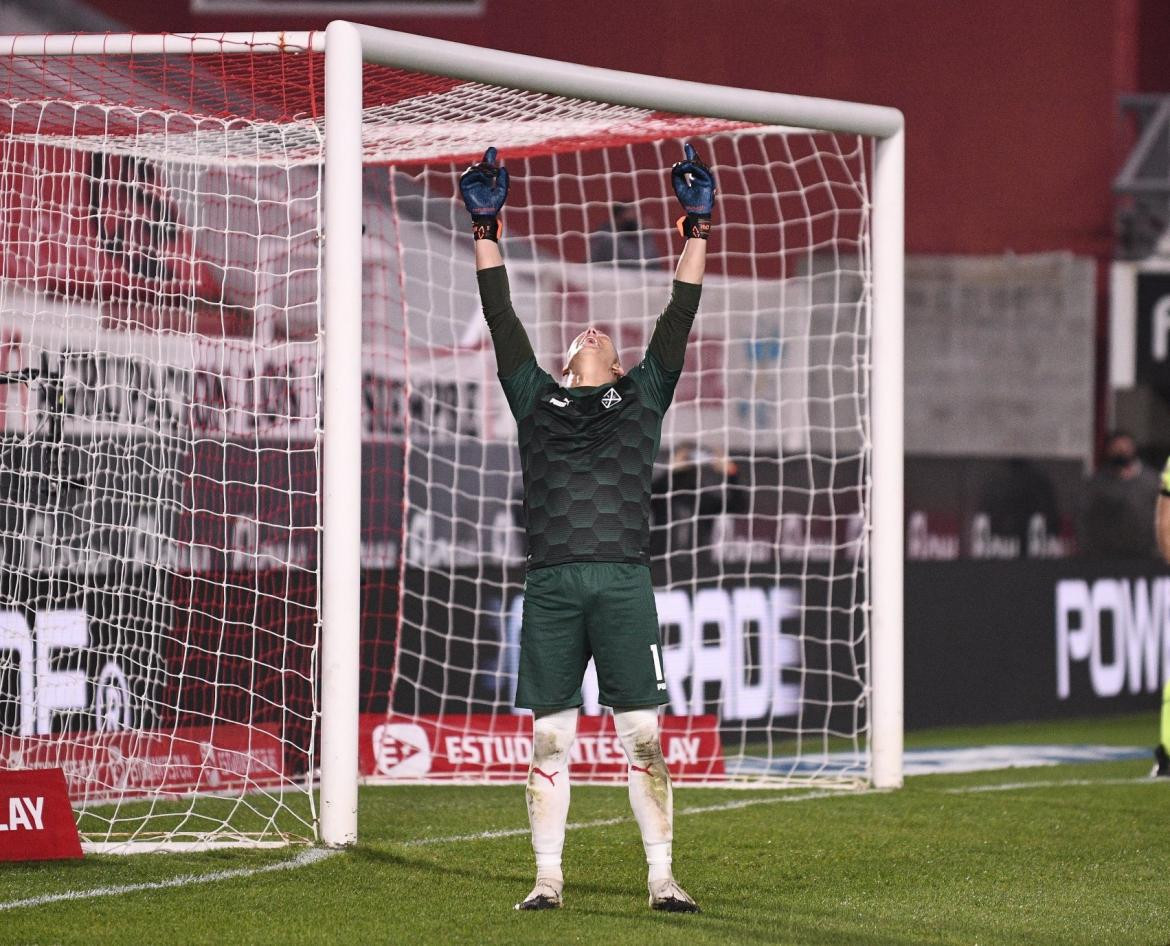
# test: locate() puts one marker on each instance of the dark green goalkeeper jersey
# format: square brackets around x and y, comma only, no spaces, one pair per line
[587,454]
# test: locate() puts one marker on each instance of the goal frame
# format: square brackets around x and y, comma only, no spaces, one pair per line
[347,46]
[357,44]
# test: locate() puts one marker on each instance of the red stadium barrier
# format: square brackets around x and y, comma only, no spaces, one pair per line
[128,764]
[36,822]
[482,746]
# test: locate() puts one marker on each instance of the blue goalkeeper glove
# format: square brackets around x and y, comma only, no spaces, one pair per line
[694,185]
[485,188]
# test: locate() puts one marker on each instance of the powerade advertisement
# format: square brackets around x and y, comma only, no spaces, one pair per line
[999,641]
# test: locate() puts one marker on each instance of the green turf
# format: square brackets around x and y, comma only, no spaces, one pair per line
[1128,730]
[933,863]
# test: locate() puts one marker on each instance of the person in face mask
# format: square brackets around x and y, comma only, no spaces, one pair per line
[1116,521]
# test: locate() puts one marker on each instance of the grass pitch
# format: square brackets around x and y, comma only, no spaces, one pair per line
[1067,854]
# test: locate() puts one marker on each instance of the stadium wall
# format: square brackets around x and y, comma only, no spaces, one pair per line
[1011,107]
[1013,129]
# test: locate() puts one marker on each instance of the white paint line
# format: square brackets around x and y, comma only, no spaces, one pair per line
[505,833]
[315,855]
[1059,783]
[609,822]
[771,800]
[312,855]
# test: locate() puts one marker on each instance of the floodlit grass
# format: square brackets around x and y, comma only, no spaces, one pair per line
[937,862]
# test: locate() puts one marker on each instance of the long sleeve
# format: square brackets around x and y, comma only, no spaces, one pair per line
[658,373]
[509,339]
[520,376]
[668,344]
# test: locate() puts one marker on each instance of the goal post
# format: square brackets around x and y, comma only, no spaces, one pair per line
[886,679]
[342,462]
[885,125]
[331,586]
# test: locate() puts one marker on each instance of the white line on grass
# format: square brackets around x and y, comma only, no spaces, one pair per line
[315,855]
[312,855]
[1057,783]
[769,800]
[609,822]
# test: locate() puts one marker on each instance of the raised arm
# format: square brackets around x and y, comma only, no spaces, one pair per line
[694,185]
[484,187]
[693,262]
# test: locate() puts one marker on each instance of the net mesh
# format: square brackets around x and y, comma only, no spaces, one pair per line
[760,506]
[161,437]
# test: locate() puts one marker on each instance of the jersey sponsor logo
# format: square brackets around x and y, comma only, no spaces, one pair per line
[610,398]
[402,750]
[559,402]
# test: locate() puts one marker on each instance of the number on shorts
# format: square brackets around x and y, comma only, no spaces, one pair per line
[657,666]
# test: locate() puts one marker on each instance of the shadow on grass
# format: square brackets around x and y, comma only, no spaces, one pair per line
[641,924]
[585,900]
[521,877]
[376,855]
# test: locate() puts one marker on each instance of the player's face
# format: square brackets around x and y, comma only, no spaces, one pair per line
[591,346]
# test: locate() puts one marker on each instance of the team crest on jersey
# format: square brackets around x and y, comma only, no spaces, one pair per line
[610,398]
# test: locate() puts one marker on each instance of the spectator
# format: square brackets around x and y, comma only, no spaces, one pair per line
[1116,520]
[697,488]
[623,240]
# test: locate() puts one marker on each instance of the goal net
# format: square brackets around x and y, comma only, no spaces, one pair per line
[162,434]
[759,503]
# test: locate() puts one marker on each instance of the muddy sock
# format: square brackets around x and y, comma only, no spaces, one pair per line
[548,788]
[650,792]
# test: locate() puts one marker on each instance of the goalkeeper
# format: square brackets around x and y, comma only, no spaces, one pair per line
[587,449]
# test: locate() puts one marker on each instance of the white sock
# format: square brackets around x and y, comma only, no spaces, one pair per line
[650,791]
[548,789]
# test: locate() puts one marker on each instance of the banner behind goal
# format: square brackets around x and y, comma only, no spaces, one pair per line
[169,562]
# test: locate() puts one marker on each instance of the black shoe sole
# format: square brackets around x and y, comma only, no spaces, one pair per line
[675,906]
[1162,769]
[538,903]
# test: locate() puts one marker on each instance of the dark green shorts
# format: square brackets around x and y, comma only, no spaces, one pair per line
[580,610]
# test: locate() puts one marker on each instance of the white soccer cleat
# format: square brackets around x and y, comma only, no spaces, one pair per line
[669,896]
[1161,763]
[546,895]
